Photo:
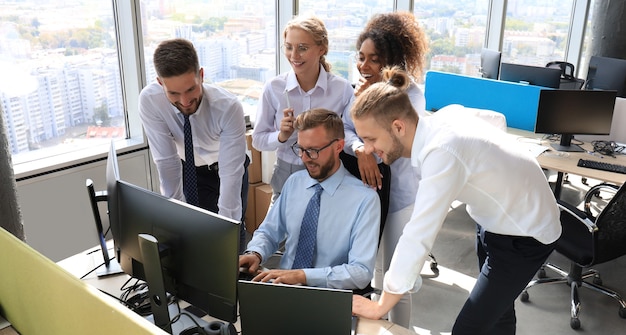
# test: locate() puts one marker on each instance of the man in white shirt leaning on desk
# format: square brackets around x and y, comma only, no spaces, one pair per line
[503,188]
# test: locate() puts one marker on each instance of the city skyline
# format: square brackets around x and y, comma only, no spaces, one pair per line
[55,90]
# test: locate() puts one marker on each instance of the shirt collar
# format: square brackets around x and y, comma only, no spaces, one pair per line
[331,184]
[419,140]
[322,80]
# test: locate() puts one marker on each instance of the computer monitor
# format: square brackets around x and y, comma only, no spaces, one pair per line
[490,63]
[112,176]
[533,75]
[574,112]
[198,249]
[605,73]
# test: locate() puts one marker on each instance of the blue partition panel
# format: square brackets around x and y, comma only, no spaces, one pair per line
[518,102]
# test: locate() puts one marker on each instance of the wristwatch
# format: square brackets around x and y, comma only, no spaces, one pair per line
[250,252]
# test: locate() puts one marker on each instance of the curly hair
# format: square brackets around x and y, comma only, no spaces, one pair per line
[314,27]
[399,41]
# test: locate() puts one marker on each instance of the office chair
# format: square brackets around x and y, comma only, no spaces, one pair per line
[587,241]
[111,266]
[568,81]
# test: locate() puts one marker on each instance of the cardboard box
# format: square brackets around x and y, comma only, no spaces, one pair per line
[251,223]
[263,199]
[254,169]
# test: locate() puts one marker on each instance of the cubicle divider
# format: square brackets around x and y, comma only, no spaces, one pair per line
[38,297]
[518,102]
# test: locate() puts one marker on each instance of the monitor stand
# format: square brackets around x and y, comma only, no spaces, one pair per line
[149,247]
[110,266]
[159,303]
[566,145]
[109,269]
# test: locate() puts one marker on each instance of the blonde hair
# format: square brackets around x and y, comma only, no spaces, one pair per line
[386,100]
[314,27]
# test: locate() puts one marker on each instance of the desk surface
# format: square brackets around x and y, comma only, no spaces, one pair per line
[80,264]
[566,161]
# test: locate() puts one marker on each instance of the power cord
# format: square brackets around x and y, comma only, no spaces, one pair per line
[608,148]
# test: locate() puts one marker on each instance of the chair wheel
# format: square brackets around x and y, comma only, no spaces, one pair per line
[541,273]
[597,280]
[622,312]
[574,323]
[524,296]
[434,268]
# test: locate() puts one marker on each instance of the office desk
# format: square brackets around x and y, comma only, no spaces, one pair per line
[80,264]
[566,162]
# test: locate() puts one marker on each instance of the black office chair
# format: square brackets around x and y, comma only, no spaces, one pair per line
[568,81]
[587,241]
[111,266]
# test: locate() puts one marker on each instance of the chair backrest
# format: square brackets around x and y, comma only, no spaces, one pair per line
[610,238]
[567,69]
[568,81]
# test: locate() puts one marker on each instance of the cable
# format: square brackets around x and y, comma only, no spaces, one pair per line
[191,330]
[608,148]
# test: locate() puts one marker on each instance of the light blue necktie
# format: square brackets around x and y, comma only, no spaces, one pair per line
[308,232]
[190,179]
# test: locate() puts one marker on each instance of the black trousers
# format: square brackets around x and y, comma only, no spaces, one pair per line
[209,193]
[507,264]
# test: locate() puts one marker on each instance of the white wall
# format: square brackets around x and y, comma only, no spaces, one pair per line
[618,126]
[55,208]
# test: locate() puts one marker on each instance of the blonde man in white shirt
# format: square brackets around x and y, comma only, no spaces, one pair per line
[504,190]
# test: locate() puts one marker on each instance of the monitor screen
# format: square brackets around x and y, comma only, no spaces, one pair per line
[574,112]
[533,75]
[490,63]
[199,249]
[606,73]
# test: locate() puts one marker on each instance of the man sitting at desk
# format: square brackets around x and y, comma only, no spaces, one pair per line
[341,252]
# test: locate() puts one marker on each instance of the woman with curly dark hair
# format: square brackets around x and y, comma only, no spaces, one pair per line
[389,40]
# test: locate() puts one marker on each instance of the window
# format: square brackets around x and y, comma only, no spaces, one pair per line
[456,31]
[536,31]
[60,90]
[63,95]
[344,22]
[235,41]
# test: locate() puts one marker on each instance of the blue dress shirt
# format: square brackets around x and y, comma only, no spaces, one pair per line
[347,233]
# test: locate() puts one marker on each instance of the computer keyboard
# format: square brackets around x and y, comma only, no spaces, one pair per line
[602,166]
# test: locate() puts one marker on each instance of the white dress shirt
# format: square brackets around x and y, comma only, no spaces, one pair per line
[502,185]
[218,129]
[330,92]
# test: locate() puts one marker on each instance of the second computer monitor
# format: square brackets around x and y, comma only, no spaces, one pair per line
[607,73]
[574,112]
[532,75]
